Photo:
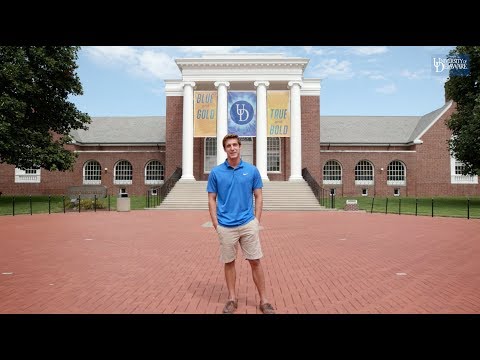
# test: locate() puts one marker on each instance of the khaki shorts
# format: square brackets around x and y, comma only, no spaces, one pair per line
[245,235]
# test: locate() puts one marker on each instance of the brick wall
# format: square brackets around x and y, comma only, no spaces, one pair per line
[173,136]
[311,135]
[427,166]
[57,182]
[379,159]
[433,163]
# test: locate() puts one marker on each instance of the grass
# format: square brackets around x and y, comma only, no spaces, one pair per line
[40,204]
[442,206]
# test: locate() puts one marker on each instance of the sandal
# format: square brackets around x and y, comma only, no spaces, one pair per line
[230,307]
[267,308]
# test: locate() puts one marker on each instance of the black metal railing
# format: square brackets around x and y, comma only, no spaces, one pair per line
[324,197]
[156,195]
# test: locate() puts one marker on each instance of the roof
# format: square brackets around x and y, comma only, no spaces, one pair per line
[376,129]
[346,130]
[123,130]
[367,129]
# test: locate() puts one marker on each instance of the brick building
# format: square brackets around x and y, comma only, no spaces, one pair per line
[350,155]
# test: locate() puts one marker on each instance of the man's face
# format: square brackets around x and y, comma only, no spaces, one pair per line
[232,148]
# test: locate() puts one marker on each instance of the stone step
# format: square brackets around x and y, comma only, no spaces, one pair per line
[277,195]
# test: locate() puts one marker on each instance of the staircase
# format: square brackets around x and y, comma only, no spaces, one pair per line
[277,195]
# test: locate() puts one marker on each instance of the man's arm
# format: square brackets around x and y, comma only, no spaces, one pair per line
[212,208]
[258,203]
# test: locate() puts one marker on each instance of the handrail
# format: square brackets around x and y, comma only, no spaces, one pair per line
[320,193]
[170,183]
[162,191]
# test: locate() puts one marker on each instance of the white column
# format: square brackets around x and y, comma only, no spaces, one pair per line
[222,98]
[296,132]
[261,162]
[187,144]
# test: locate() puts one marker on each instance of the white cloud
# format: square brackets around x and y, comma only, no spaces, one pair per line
[158,91]
[377,77]
[387,89]
[373,75]
[442,49]
[141,62]
[368,50]
[414,75]
[209,49]
[316,51]
[441,79]
[156,64]
[111,54]
[333,68]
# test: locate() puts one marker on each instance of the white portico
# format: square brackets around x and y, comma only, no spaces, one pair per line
[258,73]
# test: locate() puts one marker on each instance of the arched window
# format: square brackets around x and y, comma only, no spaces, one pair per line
[153,172]
[123,173]
[364,173]
[396,173]
[92,173]
[332,172]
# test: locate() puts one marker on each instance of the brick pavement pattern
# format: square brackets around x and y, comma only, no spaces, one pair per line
[167,262]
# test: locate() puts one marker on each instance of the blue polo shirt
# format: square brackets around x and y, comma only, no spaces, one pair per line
[234,188]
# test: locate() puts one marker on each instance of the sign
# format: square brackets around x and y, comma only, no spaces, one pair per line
[205,113]
[278,113]
[87,191]
[351,202]
[242,113]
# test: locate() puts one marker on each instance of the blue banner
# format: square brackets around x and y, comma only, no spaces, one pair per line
[242,113]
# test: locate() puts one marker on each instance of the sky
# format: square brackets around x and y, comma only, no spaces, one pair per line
[355,80]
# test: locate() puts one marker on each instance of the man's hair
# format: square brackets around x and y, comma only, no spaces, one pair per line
[231,136]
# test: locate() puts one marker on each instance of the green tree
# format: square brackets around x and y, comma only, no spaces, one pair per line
[465,122]
[35,115]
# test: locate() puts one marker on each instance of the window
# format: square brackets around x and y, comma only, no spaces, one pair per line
[123,173]
[332,191]
[210,154]
[396,173]
[273,154]
[396,192]
[364,192]
[154,172]
[364,173]
[456,171]
[27,176]
[92,173]
[332,172]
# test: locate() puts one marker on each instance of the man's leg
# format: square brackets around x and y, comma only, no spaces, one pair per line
[230,277]
[258,279]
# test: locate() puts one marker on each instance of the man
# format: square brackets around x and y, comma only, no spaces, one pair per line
[230,202]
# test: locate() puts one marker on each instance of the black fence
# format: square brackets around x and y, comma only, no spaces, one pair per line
[449,207]
[324,197]
[155,196]
[18,204]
